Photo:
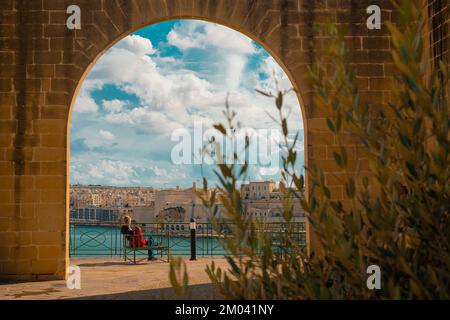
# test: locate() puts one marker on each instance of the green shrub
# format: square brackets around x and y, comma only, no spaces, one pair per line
[398,214]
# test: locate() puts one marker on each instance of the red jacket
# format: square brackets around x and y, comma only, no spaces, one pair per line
[137,239]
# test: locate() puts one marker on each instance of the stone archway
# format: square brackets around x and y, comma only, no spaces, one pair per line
[48,63]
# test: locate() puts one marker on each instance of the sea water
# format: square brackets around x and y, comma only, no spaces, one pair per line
[107,241]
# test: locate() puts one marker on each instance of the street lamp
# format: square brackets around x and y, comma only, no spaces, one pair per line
[193,224]
[193,227]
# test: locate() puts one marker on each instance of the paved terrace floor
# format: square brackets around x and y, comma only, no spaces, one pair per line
[113,279]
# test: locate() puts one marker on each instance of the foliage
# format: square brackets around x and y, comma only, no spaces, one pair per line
[396,213]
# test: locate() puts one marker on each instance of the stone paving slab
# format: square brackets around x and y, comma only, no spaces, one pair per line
[115,279]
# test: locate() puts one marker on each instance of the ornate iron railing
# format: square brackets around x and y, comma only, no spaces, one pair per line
[105,240]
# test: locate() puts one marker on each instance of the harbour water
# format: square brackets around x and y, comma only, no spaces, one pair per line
[107,241]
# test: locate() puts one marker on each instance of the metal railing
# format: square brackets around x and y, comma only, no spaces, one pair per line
[105,240]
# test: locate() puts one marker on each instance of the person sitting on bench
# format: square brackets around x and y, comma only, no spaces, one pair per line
[136,238]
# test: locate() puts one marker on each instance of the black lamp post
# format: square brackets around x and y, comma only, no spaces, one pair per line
[193,227]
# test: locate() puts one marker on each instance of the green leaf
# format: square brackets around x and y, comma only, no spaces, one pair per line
[412,170]
[404,139]
[279,101]
[234,268]
[338,159]
[284,127]
[350,188]
[330,125]
[219,127]
[269,95]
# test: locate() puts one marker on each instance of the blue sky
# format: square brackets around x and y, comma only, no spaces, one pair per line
[165,78]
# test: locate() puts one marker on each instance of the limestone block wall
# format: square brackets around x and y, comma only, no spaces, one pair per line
[42,65]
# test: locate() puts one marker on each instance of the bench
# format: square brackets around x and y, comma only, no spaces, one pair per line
[132,253]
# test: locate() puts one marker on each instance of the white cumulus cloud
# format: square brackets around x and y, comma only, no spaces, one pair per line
[136,44]
[149,96]
[198,34]
[84,103]
[107,135]
[113,106]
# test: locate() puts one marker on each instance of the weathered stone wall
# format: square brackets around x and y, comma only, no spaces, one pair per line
[43,64]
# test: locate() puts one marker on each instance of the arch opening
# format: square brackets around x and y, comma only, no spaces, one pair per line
[119,112]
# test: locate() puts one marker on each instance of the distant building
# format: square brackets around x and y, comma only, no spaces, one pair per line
[134,201]
[187,199]
[173,214]
[144,214]
[262,200]
[95,214]
[258,190]
[126,211]
[96,200]
[102,196]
